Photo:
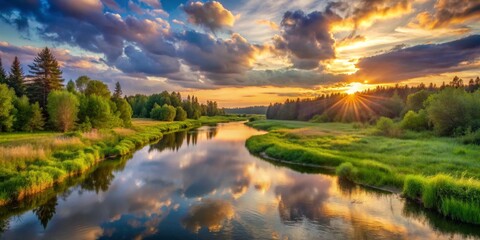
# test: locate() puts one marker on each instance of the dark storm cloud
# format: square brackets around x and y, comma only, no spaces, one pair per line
[306,38]
[210,15]
[421,60]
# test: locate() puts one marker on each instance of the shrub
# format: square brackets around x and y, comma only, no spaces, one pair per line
[415,121]
[387,127]
[320,118]
[471,138]
[347,171]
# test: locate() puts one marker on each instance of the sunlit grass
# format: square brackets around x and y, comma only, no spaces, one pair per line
[21,153]
[425,167]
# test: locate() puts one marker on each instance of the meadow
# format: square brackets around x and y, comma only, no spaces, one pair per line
[439,172]
[33,162]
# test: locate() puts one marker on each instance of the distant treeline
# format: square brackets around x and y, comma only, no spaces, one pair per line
[161,106]
[366,106]
[247,110]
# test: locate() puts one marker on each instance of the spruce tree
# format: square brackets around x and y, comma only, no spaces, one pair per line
[47,77]
[3,74]
[16,79]
[118,91]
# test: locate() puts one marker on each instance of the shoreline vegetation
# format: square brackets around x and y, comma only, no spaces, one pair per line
[33,162]
[440,173]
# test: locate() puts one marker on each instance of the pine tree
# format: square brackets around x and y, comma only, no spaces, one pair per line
[16,79]
[71,87]
[47,77]
[3,74]
[118,91]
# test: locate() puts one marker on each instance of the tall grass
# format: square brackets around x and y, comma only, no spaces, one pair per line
[21,153]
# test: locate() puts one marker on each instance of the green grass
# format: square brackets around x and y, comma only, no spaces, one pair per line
[442,173]
[31,163]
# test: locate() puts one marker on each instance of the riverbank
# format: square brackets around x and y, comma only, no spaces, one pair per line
[440,173]
[33,162]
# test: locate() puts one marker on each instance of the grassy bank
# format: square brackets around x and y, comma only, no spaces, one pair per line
[31,163]
[441,173]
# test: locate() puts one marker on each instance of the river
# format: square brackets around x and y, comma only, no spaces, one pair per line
[204,184]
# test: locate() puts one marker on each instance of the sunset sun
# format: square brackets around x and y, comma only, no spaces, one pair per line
[354,88]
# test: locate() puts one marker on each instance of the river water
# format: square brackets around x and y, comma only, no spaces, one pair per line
[204,184]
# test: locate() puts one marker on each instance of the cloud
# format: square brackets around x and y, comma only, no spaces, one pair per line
[64,57]
[20,21]
[306,38]
[269,23]
[420,60]
[152,3]
[210,214]
[448,13]
[210,15]
[207,54]
[142,62]
[349,40]
[367,11]
[178,22]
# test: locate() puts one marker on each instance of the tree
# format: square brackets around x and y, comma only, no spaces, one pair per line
[36,121]
[3,74]
[453,111]
[47,77]
[27,117]
[98,111]
[22,114]
[82,83]
[156,112]
[125,111]
[117,93]
[16,79]
[394,105]
[95,87]
[415,101]
[164,113]
[6,108]
[456,82]
[62,108]
[181,115]
[71,86]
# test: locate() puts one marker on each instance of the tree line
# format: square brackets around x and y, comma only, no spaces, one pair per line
[170,106]
[247,110]
[450,109]
[39,100]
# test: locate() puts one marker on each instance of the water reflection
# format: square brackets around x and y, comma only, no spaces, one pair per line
[204,184]
[210,213]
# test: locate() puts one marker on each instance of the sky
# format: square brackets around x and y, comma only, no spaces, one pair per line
[247,52]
